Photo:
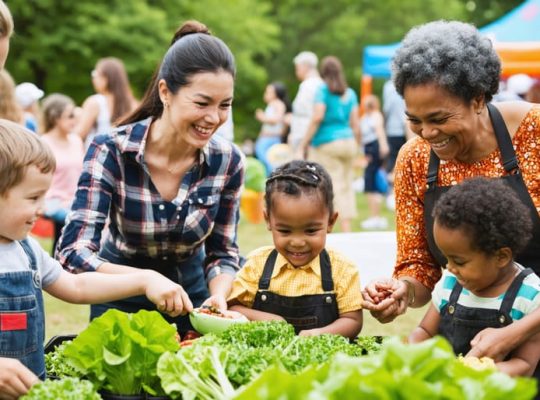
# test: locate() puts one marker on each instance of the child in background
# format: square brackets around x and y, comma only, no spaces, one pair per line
[273,119]
[26,171]
[298,280]
[58,121]
[480,225]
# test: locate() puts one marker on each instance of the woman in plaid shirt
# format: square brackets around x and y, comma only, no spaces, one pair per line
[167,187]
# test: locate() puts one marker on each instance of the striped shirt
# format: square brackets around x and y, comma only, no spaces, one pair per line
[527,299]
[116,185]
[290,281]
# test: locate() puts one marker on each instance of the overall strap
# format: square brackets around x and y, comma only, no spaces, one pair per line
[326,272]
[454,296]
[504,140]
[433,169]
[264,282]
[511,293]
[29,253]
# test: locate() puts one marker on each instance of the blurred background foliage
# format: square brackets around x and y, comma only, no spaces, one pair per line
[57,42]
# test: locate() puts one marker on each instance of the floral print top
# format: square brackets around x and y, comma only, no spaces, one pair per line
[413,256]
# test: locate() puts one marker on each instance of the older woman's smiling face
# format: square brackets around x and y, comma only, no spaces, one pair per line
[444,120]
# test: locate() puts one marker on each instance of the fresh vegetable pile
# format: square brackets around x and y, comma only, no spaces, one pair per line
[213,367]
[139,353]
[428,370]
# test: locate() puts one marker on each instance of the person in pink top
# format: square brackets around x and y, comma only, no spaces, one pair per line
[58,123]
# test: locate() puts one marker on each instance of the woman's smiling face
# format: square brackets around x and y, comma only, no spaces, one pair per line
[442,119]
[196,110]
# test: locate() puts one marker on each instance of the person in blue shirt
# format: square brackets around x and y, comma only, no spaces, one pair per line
[161,191]
[332,136]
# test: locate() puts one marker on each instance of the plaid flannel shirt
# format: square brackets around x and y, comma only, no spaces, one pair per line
[116,185]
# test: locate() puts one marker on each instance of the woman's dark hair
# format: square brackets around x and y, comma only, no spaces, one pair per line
[193,49]
[489,211]
[332,74]
[300,177]
[281,93]
[118,84]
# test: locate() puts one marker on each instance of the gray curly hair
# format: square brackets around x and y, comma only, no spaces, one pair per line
[451,54]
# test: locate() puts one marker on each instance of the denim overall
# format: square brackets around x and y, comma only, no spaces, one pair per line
[530,256]
[188,273]
[22,319]
[308,311]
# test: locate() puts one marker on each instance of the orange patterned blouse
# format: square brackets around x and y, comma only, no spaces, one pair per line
[413,256]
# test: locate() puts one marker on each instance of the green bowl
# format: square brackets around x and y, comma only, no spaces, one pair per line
[206,323]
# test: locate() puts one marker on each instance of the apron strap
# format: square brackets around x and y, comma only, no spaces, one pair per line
[326,271]
[504,140]
[513,289]
[264,282]
[433,169]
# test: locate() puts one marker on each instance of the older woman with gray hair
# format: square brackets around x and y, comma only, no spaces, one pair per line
[447,73]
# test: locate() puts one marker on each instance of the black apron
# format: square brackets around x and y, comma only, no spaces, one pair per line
[308,311]
[460,324]
[530,256]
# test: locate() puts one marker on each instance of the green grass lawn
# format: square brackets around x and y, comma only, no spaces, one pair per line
[64,318]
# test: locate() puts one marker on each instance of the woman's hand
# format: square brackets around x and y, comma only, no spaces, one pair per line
[169,297]
[494,343]
[386,298]
[15,379]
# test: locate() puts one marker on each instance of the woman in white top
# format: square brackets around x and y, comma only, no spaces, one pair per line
[273,121]
[112,100]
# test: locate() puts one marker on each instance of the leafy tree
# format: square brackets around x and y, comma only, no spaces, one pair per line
[57,42]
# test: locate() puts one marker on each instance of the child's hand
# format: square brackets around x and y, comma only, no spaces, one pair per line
[310,332]
[216,300]
[169,297]
[15,378]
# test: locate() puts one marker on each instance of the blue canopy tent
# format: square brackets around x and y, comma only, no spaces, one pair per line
[516,37]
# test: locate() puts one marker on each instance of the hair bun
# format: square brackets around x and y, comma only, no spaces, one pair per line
[188,28]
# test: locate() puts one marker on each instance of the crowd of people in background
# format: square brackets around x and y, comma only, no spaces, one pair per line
[324,123]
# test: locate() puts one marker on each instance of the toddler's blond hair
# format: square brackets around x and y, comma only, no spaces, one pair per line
[20,148]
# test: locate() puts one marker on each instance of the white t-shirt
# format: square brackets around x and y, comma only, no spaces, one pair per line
[302,109]
[13,258]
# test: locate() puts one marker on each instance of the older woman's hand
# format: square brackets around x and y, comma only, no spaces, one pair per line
[386,298]
[495,343]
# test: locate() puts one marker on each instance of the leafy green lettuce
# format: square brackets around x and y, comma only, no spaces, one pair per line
[428,370]
[62,389]
[118,352]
